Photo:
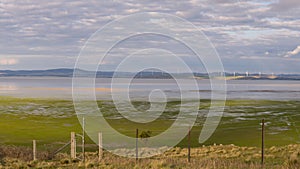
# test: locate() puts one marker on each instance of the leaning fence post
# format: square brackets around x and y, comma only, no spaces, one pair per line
[34,149]
[100,146]
[73,145]
[262,141]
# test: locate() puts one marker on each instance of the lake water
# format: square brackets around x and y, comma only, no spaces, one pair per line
[59,87]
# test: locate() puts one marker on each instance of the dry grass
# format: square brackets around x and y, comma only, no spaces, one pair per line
[21,153]
[218,157]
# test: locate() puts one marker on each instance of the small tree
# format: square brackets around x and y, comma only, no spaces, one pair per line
[145,135]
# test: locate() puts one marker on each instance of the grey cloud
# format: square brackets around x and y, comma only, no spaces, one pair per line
[285,5]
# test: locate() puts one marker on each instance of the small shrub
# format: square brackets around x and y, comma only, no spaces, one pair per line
[145,134]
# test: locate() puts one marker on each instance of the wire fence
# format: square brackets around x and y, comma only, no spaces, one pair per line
[80,155]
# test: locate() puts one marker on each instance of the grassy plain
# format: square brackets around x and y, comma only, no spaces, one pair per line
[50,121]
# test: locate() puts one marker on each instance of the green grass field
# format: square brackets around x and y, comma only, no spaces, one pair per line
[50,122]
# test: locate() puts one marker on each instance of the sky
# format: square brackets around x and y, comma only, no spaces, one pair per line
[249,35]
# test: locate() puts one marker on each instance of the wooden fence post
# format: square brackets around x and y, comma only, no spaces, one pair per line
[100,146]
[189,145]
[73,145]
[262,141]
[136,145]
[83,140]
[34,149]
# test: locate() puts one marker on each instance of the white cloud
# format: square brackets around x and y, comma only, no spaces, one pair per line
[294,52]
[256,57]
[60,27]
[8,61]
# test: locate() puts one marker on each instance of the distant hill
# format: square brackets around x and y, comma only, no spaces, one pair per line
[50,72]
[83,73]
[145,74]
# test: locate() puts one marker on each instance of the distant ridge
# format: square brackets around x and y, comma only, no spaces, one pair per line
[50,72]
[65,72]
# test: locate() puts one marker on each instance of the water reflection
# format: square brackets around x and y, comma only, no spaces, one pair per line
[4,87]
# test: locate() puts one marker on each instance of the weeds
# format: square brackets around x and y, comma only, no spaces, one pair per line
[217,156]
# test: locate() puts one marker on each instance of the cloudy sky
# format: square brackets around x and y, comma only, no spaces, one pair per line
[249,35]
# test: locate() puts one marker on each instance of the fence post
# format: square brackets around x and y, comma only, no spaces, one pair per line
[83,140]
[34,149]
[136,145]
[73,145]
[262,141]
[189,145]
[100,146]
